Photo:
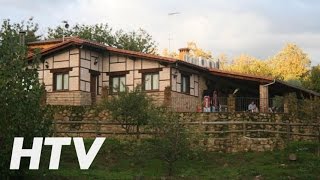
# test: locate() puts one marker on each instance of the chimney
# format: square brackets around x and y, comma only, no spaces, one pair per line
[183,52]
[22,35]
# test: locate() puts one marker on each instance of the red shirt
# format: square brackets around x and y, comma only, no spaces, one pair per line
[206,101]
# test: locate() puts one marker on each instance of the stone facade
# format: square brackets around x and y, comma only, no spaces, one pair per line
[184,103]
[73,98]
[157,97]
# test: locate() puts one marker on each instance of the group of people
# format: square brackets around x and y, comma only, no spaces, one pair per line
[211,104]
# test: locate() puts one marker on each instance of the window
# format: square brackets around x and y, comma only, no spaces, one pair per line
[151,81]
[118,84]
[61,81]
[185,83]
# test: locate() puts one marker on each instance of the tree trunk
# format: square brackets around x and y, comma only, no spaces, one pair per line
[138,132]
[170,169]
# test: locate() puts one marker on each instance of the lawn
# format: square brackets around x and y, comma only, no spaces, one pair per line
[124,160]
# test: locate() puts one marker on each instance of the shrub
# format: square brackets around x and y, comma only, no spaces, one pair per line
[130,109]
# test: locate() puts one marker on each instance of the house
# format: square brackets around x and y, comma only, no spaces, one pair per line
[78,72]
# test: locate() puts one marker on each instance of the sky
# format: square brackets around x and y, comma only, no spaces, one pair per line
[233,27]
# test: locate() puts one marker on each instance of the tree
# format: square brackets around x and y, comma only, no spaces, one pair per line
[130,109]
[223,61]
[249,65]
[172,139]
[312,79]
[195,51]
[138,40]
[291,63]
[29,27]
[166,53]
[101,33]
[21,93]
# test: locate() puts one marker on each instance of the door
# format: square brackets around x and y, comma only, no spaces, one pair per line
[93,88]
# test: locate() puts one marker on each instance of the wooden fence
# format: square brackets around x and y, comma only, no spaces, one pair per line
[242,128]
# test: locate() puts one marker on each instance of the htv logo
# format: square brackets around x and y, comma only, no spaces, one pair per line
[84,159]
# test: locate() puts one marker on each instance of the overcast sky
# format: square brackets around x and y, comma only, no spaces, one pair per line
[259,28]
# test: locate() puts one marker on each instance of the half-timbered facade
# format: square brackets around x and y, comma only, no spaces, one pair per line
[80,72]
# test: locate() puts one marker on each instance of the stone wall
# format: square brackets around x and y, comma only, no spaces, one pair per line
[244,144]
[232,137]
[157,97]
[73,98]
[82,113]
[184,103]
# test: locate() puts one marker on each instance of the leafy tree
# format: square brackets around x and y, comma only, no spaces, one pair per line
[198,52]
[291,63]
[130,108]
[249,65]
[166,53]
[101,33]
[29,27]
[138,40]
[223,61]
[20,92]
[172,139]
[312,79]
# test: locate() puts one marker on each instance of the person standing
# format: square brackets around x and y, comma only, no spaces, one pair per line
[206,104]
[215,102]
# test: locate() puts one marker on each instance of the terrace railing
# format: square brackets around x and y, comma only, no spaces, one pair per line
[239,104]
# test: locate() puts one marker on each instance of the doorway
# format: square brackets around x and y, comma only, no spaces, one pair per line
[94,86]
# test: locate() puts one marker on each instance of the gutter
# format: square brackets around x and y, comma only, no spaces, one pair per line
[274,81]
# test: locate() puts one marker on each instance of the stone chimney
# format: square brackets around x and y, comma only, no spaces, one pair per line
[183,52]
[22,36]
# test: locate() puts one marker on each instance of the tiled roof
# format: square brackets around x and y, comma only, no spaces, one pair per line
[78,41]
[241,75]
[59,44]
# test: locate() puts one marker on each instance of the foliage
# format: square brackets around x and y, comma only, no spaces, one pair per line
[223,61]
[195,51]
[167,53]
[249,65]
[290,63]
[101,33]
[20,92]
[312,79]
[277,103]
[307,110]
[172,139]
[29,27]
[130,108]
[139,40]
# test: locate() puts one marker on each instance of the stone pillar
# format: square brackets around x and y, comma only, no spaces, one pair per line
[264,98]
[167,102]
[231,103]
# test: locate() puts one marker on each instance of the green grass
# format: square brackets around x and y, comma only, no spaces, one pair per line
[118,160]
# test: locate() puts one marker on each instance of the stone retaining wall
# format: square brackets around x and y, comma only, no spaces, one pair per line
[224,142]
